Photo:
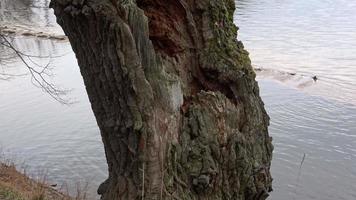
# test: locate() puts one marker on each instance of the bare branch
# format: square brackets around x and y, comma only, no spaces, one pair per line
[40,74]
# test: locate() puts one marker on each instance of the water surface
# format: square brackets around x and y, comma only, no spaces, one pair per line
[306,37]
[48,137]
[293,41]
[323,130]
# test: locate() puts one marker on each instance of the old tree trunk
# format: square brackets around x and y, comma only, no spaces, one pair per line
[175,97]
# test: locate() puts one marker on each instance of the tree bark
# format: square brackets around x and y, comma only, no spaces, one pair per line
[174,96]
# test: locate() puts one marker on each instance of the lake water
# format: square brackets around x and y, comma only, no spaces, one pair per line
[318,119]
[306,37]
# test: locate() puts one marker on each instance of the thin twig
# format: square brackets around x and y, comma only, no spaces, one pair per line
[37,76]
[143,180]
[298,178]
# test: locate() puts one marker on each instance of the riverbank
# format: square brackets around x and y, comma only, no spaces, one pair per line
[17,186]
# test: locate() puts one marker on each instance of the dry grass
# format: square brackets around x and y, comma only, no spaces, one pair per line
[15,185]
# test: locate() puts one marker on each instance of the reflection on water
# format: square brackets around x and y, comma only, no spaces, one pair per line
[28,14]
[310,37]
[299,81]
[66,141]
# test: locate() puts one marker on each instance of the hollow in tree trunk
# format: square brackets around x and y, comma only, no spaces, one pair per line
[174,96]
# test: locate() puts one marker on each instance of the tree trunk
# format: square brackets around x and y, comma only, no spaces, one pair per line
[175,97]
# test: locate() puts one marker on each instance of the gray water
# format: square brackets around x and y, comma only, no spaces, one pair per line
[318,119]
[306,37]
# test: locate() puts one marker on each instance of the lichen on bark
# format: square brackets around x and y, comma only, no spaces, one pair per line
[175,98]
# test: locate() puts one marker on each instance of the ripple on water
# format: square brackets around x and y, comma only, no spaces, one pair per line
[308,38]
[323,130]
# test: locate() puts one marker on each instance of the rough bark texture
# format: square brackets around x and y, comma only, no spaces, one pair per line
[175,97]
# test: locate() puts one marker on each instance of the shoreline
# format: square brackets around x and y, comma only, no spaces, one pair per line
[15,185]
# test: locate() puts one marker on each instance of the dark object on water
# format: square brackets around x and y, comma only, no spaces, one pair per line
[292,74]
[315,78]
[54,185]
